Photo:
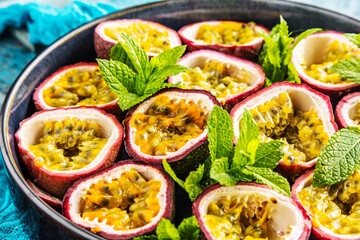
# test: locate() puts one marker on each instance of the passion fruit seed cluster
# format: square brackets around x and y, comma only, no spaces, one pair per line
[168,125]
[68,145]
[335,207]
[356,116]
[227,33]
[321,71]
[150,39]
[246,217]
[125,203]
[302,132]
[79,87]
[217,78]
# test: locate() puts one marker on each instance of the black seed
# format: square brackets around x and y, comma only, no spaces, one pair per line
[273,200]
[188,120]
[106,189]
[104,202]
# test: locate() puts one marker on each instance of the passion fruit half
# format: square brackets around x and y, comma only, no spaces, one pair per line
[45,196]
[121,202]
[153,37]
[228,78]
[314,56]
[334,210]
[249,211]
[295,114]
[170,125]
[348,110]
[234,38]
[79,84]
[61,145]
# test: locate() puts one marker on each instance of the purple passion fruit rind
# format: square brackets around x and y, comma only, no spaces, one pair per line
[294,216]
[54,181]
[304,100]
[45,196]
[38,96]
[255,76]
[74,194]
[308,50]
[104,43]
[248,50]
[182,123]
[347,110]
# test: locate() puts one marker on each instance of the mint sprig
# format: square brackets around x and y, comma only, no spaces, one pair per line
[134,77]
[248,161]
[276,53]
[339,159]
[354,38]
[348,69]
[187,230]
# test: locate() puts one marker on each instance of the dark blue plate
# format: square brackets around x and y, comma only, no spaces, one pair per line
[78,46]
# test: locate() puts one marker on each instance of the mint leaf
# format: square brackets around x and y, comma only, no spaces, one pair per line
[166,230]
[171,56]
[137,55]
[270,178]
[269,154]
[128,100]
[220,133]
[292,74]
[220,172]
[119,54]
[146,237]
[354,38]
[192,183]
[348,69]
[339,159]
[172,174]
[248,133]
[189,229]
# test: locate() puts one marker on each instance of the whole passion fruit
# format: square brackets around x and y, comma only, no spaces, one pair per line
[45,196]
[121,202]
[61,145]
[348,110]
[228,78]
[314,56]
[170,125]
[334,210]
[234,38]
[79,84]
[295,114]
[153,37]
[249,211]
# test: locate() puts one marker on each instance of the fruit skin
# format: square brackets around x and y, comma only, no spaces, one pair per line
[46,197]
[320,233]
[57,182]
[322,101]
[233,99]
[249,51]
[180,154]
[103,43]
[197,204]
[333,90]
[111,107]
[343,108]
[169,202]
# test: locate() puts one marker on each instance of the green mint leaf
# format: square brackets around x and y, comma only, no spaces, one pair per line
[165,230]
[192,183]
[119,54]
[339,159]
[146,237]
[128,100]
[189,229]
[354,38]
[220,172]
[170,85]
[348,69]
[270,178]
[268,154]
[220,133]
[172,174]
[171,56]
[292,73]
[247,142]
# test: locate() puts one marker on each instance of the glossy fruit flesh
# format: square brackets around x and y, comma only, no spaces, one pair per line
[302,132]
[168,125]
[240,217]
[79,87]
[321,70]
[217,78]
[127,202]
[336,207]
[356,114]
[68,145]
[150,39]
[227,33]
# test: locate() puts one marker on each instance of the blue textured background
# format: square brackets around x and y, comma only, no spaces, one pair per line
[16,221]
